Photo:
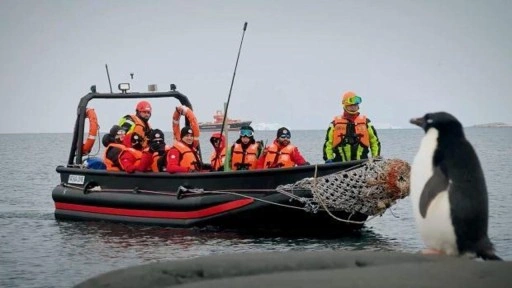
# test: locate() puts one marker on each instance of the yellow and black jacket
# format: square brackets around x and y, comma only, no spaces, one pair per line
[348,140]
[132,123]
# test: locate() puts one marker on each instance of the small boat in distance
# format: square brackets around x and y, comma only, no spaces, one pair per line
[216,125]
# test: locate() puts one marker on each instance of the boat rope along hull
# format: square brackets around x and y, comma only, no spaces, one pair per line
[220,210]
[245,214]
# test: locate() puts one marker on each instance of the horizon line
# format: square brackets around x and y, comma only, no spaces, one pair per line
[317,129]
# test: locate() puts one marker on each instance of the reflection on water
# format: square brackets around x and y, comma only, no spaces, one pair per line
[160,243]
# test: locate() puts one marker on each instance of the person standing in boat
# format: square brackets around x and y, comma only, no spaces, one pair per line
[183,157]
[114,143]
[218,155]
[244,153]
[281,153]
[134,157]
[350,136]
[138,122]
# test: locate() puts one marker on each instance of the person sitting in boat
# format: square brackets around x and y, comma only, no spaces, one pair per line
[112,136]
[219,151]
[183,157]
[138,122]
[244,153]
[158,149]
[281,154]
[134,157]
[114,143]
[351,135]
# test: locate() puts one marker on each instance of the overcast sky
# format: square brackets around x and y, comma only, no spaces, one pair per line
[404,58]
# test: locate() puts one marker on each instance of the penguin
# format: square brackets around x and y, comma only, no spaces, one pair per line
[448,190]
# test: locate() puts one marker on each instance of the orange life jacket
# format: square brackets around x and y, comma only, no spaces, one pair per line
[217,161]
[361,130]
[239,157]
[136,153]
[156,159]
[108,162]
[276,158]
[188,157]
[154,164]
[142,128]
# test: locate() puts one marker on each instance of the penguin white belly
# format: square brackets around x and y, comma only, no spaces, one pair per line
[422,168]
[436,228]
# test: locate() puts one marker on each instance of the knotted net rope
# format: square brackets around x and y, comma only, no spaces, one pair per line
[369,188]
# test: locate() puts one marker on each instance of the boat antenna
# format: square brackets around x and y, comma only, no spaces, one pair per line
[229,96]
[108,76]
[232,81]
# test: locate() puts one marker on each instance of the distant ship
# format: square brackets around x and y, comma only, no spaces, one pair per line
[216,125]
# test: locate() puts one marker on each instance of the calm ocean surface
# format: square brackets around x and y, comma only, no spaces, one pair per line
[38,251]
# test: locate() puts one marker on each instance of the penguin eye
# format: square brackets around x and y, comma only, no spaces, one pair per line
[430,121]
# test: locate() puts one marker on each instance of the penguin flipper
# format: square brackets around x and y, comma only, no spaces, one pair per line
[438,183]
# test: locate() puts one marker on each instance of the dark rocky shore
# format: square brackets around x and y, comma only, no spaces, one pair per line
[312,269]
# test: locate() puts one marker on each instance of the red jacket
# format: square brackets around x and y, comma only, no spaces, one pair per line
[295,156]
[130,163]
[173,161]
[182,158]
[132,160]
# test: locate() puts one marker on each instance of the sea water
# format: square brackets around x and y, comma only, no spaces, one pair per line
[38,251]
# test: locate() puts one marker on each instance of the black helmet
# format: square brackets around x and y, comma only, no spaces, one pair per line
[156,134]
[114,130]
[283,131]
[185,131]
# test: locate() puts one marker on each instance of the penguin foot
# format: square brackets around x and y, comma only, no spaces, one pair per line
[431,251]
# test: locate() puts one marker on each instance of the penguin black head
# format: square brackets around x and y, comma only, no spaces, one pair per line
[441,121]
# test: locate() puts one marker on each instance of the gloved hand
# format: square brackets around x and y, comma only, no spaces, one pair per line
[328,161]
[154,147]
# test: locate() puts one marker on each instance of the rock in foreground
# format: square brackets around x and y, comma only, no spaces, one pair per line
[311,269]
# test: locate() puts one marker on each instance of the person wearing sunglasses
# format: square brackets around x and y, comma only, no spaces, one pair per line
[138,122]
[134,157]
[244,153]
[218,155]
[281,153]
[350,136]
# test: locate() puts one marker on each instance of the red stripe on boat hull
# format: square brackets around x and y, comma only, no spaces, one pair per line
[156,214]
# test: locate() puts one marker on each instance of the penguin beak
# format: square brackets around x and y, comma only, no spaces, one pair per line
[418,121]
